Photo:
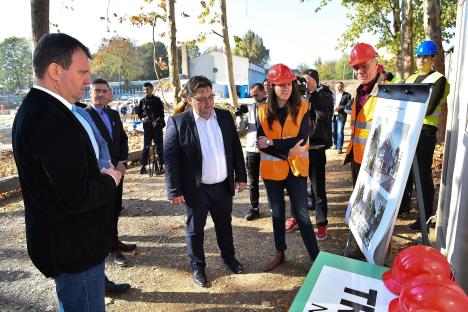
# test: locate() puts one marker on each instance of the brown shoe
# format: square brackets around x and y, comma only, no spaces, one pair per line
[277,260]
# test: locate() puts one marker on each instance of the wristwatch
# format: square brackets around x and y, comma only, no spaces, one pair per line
[269,142]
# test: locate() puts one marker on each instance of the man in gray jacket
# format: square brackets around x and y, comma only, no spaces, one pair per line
[246,120]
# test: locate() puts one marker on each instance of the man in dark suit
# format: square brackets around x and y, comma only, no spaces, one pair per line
[67,198]
[110,127]
[204,164]
[342,100]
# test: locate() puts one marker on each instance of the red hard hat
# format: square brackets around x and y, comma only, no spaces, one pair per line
[361,53]
[430,293]
[279,74]
[413,261]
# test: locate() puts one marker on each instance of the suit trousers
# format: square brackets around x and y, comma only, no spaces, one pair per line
[317,162]
[217,200]
[152,134]
[117,210]
[252,161]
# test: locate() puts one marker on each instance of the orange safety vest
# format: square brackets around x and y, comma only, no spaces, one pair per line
[273,168]
[361,125]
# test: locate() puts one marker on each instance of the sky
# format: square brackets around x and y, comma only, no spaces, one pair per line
[291,30]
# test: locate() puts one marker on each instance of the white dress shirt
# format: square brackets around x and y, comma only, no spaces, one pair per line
[214,169]
[338,97]
[82,121]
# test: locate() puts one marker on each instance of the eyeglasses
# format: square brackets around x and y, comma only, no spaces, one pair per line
[205,100]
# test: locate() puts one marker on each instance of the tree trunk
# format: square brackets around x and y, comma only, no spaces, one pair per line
[407,39]
[155,62]
[173,61]
[228,53]
[433,32]
[396,12]
[39,19]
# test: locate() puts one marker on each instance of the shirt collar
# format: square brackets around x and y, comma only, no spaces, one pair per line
[98,109]
[55,95]
[197,117]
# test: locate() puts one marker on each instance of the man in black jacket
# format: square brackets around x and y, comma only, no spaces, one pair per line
[110,127]
[204,165]
[342,99]
[151,112]
[320,139]
[67,198]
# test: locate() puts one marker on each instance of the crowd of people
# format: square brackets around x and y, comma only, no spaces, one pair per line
[72,182]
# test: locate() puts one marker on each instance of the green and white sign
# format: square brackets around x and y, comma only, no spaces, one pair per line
[336,283]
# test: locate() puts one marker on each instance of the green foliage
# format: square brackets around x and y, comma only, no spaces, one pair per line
[327,70]
[193,51]
[15,63]
[377,17]
[145,56]
[251,46]
[342,69]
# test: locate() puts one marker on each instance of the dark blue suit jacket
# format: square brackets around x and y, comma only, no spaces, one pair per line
[68,202]
[183,158]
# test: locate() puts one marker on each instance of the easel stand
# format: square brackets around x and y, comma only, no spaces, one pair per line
[422,220]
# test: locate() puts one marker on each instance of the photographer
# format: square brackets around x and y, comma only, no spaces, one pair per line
[246,120]
[151,113]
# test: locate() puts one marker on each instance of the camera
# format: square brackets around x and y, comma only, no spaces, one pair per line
[301,85]
[241,110]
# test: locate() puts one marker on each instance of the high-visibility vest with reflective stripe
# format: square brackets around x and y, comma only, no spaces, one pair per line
[273,168]
[432,119]
[360,127]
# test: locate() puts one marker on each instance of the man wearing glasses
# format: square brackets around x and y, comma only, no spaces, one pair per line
[204,164]
[364,63]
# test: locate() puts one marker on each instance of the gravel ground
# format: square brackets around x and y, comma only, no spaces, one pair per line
[159,272]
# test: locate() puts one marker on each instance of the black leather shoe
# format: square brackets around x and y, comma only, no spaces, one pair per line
[234,265]
[126,247]
[199,277]
[252,215]
[116,289]
[143,170]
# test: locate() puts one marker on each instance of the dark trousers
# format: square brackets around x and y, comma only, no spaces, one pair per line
[355,167]
[297,191]
[424,154]
[252,161]
[317,162]
[152,134]
[217,200]
[117,211]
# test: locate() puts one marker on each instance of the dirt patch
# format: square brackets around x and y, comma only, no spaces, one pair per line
[159,273]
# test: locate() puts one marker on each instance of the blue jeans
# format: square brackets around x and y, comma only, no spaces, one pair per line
[297,191]
[338,124]
[83,291]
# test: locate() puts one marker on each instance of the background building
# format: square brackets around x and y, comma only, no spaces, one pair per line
[213,66]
